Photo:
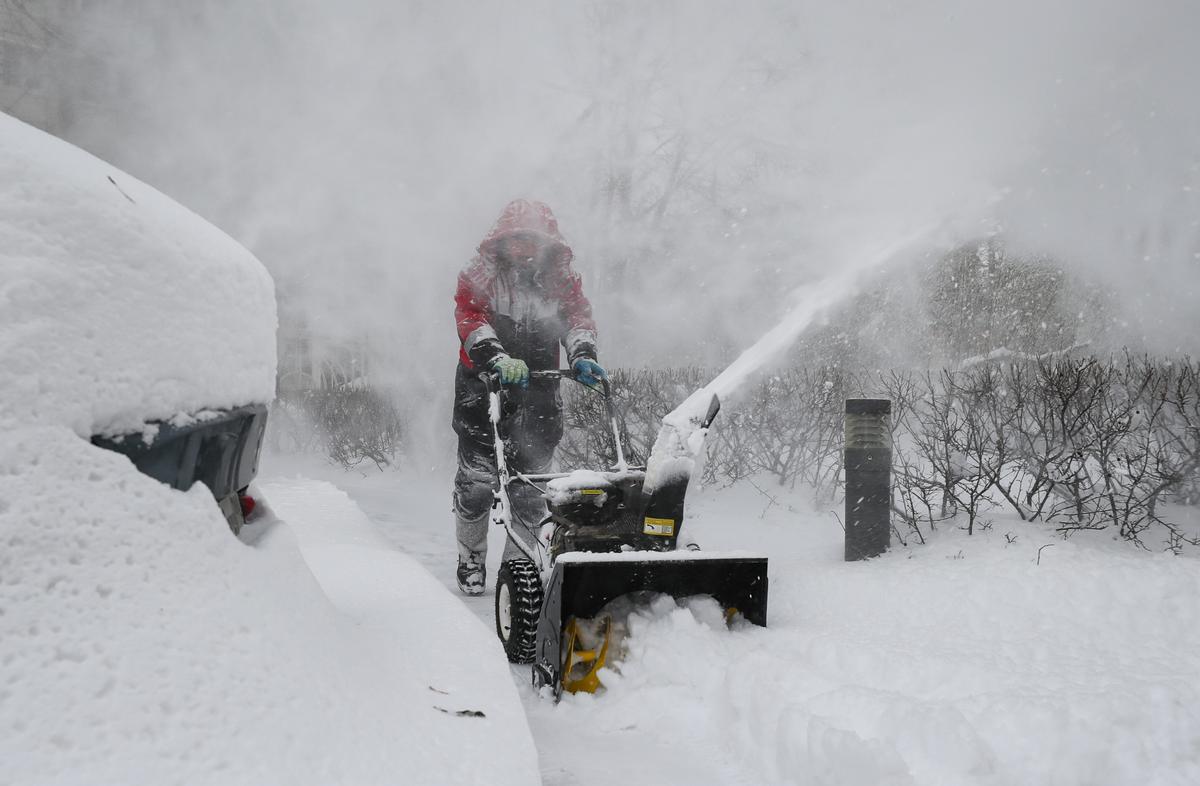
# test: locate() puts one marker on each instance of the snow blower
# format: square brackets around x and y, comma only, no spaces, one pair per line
[607,534]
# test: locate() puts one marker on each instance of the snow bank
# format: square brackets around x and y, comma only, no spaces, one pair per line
[450,672]
[118,305]
[140,643]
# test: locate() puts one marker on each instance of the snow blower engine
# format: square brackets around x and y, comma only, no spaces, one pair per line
[607,534]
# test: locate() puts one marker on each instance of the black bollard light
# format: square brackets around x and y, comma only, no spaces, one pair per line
[868,463]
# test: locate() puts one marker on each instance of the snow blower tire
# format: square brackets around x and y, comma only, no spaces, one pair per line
[518,604]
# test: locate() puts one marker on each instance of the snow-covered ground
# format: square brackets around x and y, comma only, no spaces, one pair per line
[1007,657]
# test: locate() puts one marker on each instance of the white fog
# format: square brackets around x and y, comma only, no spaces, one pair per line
[959,239]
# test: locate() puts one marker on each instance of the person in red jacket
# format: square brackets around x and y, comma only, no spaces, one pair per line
[518,301]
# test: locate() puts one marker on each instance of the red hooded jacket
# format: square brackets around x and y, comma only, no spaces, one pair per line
[520,309]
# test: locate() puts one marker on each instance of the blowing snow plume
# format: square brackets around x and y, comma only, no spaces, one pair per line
[680,439]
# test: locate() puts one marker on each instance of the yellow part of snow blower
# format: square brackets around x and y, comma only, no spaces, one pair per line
[581,667]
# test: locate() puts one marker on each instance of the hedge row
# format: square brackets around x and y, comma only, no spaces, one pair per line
[1082,443]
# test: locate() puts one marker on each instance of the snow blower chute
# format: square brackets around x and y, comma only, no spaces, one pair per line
[606,535]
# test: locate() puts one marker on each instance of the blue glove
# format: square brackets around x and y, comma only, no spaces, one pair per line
[588,372]
[512,371]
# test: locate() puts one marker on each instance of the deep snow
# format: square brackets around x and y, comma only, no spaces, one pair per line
[982,659]
[140,642]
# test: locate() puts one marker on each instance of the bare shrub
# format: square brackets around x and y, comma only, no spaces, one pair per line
[350,424]
[1078,443]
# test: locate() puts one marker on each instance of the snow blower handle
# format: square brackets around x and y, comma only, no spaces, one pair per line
[606,392]
[567,373]
[492,380]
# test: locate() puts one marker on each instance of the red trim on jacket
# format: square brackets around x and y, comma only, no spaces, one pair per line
[473,297]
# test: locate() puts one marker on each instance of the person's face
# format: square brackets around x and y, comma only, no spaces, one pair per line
[521,248]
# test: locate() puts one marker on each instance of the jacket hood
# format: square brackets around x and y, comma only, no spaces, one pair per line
[526,217]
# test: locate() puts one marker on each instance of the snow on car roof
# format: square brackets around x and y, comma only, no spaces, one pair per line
[117,305]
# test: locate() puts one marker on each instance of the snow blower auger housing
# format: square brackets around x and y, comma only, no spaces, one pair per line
[605,535]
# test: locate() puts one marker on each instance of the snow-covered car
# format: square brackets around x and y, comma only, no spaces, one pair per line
[217,448]
[130,320]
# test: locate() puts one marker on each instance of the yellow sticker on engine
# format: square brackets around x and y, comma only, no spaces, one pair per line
[591,492]
[664,527]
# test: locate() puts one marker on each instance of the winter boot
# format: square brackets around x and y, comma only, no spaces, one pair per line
[471,573]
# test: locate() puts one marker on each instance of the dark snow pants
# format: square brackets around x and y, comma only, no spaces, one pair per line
[531,426]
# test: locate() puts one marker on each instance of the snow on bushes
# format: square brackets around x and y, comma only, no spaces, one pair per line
[1081,443]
